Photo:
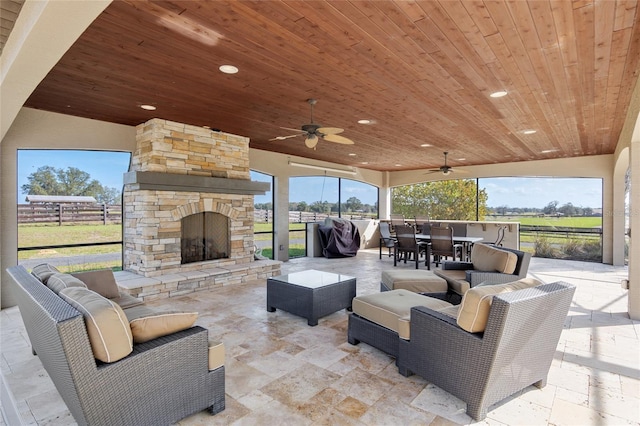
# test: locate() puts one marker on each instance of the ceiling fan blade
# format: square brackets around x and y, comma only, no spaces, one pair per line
[330,130]
[281,138]
[293,130]
[338,139]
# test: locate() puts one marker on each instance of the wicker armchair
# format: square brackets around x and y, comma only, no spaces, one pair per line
[461,276]
[514,352]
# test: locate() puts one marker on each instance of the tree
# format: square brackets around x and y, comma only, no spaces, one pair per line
[502,210]
[449,199]
[320,207]
[43,181]
[353,204]
[551,208]
[48,180]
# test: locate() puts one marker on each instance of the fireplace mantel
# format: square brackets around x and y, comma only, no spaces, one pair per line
[158,181]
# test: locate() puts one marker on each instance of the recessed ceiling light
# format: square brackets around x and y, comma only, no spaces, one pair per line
[228,69]
[148,107]
[366,121]
[498,94]
[461,159]
[351,154]
[426,145]
[364,162]
[547,151]
[529,131]
[207,127]
[398,165]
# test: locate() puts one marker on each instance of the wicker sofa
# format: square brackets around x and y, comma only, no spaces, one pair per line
[159,381]
[498,341]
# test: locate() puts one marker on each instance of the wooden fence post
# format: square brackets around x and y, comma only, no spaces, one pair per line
[59,214]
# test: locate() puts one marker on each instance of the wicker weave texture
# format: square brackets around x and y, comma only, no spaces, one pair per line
[515,350]
[310,303]
[161,382]
[362,330]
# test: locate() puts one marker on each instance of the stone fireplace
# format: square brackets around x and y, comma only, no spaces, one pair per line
[188,207]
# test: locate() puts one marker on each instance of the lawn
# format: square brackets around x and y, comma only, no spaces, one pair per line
[571,222]
[49,234]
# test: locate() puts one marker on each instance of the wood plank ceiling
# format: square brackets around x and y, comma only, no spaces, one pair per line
[422,71]
[9,11]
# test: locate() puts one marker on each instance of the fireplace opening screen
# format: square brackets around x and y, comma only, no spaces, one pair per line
[205,236]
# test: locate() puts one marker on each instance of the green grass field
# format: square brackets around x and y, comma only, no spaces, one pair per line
[572,222]
[45,235]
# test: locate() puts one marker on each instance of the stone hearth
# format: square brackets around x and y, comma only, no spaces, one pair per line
[179,170]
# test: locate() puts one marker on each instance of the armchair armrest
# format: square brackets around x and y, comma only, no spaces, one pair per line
[426,322]
[456,265]
[477,277]
[445,354]
[176,364]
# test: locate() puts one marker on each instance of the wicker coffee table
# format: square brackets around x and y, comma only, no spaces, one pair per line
[310,294]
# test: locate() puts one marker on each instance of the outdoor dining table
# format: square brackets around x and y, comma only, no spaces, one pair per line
[467,242]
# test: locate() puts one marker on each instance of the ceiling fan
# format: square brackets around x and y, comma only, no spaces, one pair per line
[445,169]
[314,132]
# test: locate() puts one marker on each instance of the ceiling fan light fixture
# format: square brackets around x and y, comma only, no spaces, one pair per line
[311,141]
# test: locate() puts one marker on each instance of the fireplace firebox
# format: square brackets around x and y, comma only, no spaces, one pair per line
[205,236]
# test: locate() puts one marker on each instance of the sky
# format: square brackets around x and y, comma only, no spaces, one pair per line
[108,168]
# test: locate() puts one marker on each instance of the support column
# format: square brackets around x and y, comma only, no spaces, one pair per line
[634,225]
[385,198]
[281,218]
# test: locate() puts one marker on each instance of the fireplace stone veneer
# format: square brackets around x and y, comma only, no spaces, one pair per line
[179,170]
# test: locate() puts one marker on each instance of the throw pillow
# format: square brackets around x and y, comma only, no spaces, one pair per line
[58,282]
[476,303]
[161,324]
[490,259]
[44,271]
[107,325]
[102,282]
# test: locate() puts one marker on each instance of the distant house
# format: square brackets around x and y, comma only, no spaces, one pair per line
[60,199]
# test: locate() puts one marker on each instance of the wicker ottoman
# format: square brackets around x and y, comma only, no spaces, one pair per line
[382,319]
[417,281]
[310,294]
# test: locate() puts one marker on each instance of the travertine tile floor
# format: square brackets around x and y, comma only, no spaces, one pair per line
[281,371]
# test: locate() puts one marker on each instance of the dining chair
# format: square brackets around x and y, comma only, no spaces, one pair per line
[386,239]
[396,220]
[423,224]
[460,230]
[407,246]
[442,244]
